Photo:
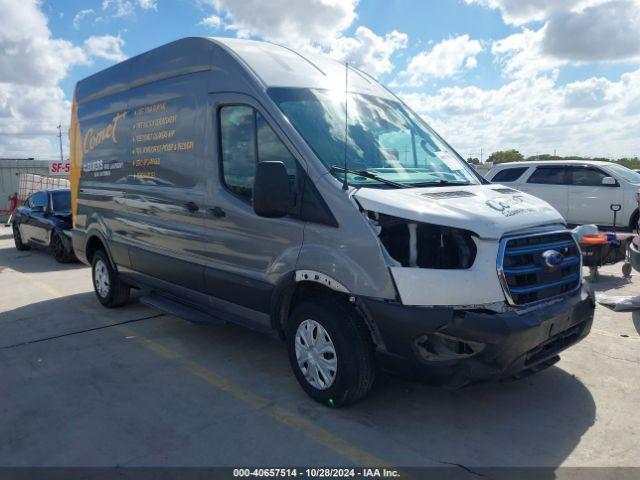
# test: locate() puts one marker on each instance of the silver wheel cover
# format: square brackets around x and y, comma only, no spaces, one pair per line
[101,279]
[316,354]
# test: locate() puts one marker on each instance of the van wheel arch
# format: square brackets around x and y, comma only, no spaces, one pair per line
[94,243]
[298,292]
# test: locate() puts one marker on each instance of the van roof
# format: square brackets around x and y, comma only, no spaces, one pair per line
[270,64]
[280,66]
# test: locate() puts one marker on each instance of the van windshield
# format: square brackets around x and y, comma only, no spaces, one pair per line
[384,139]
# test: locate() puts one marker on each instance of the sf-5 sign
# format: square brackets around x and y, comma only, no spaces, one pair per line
[59,168]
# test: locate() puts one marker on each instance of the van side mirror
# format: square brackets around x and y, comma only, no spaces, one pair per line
[609,182]
[271,191]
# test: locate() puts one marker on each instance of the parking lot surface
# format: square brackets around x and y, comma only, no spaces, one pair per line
[87,386]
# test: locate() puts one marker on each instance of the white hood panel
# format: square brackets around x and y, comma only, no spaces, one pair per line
[478,208]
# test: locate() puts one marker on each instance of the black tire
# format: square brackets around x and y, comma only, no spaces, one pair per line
[354,350]
[17,239]
[114,293]
[60,253]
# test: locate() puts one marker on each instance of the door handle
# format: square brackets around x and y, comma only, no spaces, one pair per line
[217,212]
[192,207]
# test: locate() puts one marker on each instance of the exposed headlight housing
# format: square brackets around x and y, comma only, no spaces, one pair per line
[424,245]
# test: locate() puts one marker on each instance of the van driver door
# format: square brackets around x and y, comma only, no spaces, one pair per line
[248,254]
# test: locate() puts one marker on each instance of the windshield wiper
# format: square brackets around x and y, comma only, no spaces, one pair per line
[367,174]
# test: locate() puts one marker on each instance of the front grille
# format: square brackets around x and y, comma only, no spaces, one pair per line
[525,275]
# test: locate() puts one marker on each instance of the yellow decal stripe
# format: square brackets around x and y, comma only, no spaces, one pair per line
[75,140]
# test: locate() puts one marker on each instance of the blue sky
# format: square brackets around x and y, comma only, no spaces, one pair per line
[536,75]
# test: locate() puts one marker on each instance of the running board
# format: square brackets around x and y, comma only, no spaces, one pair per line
[178,309]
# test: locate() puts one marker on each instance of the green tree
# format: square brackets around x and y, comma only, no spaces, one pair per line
[632,163]
[473,161]
[504,156]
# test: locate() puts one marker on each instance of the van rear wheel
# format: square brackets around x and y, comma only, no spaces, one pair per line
[110,290]
[330,351]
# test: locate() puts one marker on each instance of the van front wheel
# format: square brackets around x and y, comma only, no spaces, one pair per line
[110,290]
[330,352]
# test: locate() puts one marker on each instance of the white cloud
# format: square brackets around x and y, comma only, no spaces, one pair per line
[148,4]
[33,63]
[368,51]
[592,93]
[32,146]
[108,47]
[31,111]
[521,54]
[118,8]
[594,117]
[606,32]
[445,59]
[312,25]
[81,15]
[295,23]
[521,12]
[213,21]
[573,32]
[28,54]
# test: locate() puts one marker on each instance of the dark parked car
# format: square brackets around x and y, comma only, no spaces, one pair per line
[45,220]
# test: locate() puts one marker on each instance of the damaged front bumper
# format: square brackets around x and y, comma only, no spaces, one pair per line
[457,347]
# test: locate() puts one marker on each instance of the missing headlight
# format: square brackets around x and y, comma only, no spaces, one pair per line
[423,245]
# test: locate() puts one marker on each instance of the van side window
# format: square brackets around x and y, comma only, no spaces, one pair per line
[587,177]
[548,176]
[271,149]
[246,139]
[509,174]
[237,135]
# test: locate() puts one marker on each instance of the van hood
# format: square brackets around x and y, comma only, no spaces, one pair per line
[488,210]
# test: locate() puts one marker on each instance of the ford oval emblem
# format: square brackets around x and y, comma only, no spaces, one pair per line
[552,258]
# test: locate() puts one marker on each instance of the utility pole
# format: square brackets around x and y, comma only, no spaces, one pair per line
[481,157]
[60,138]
